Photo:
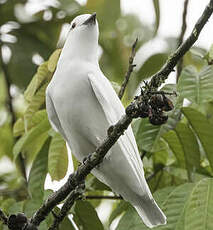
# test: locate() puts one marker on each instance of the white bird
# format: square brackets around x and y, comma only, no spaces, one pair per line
[82,105]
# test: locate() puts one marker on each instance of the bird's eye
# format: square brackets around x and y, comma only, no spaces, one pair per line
[73,25]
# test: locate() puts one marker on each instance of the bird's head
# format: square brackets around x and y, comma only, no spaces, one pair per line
[82,40]
[84,22]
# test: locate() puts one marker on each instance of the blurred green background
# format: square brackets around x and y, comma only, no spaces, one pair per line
[177,153]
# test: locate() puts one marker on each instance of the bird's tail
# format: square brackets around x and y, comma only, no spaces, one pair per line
[150,213]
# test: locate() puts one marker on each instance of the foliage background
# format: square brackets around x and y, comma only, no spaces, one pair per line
[178,158]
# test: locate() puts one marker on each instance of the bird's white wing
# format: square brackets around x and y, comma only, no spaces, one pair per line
[114,110]
[52,115]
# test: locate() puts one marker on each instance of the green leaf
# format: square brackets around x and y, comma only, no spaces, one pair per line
[94,202]
[160,158]
[208,110]
[162,194]
[95,187]
[16,207]
[86,217]
[41,75]
[148,136]
[38,173]
[210,54]
[66,224]
[190,147]
[174,144]
[183,144]
[52,62]
[75,162]
[130,220]
[203,129]
[195,57]
[57,158]
[199,210]
[6,204]
[163,178]
[19,128]
[119,209]
[28,139]
[174,206]
[94,184]
[171,201]
[183,174]
[31,150]
[31,206]
[115,86]
[36,103]
[196,86]
[151,66]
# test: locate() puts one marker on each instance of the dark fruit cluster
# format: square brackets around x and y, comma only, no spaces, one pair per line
[155,109]
[17,221]
[152,105]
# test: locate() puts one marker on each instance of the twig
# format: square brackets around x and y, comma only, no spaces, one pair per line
[161,167]
[8,84]
[90,197]
[70,201]
[158,78]
[74,195]
[3,217]
[66,206]
[129,71]
[143,154]
[180,40]
[131,112]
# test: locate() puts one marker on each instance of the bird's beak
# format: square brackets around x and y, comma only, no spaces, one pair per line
[91,20]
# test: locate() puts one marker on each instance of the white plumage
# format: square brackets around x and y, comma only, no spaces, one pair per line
[81,105]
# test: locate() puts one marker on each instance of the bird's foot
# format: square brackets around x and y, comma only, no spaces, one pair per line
[110,130]
[87,158]
[71,180]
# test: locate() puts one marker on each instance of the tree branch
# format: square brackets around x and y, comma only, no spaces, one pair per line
[180,40]
[129,71]
[132,111]
[158,78]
